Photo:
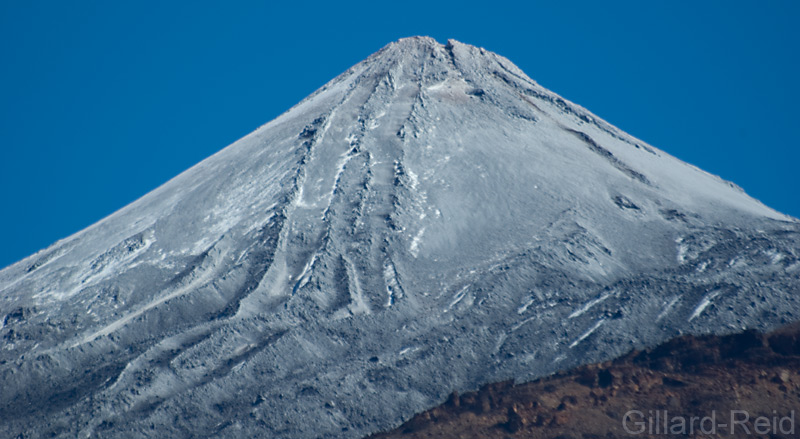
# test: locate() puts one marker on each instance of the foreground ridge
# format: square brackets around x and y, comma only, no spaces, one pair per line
[748,375]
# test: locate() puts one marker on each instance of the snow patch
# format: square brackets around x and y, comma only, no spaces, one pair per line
[500,342]
[589,305]
[393,290]
[458,297]
[521,310]
[668,308]
[437,86]
[703,305]
[775,256]
[414,247]
[682,249]
[522,323]
[587,333]
[358,304]
[298,198]
[414,180]
[304,276]
[346,157]
[407,350]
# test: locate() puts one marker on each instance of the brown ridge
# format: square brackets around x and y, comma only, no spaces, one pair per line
[746,374]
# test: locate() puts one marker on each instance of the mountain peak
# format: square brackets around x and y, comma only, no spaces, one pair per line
[428,221]
[416,41]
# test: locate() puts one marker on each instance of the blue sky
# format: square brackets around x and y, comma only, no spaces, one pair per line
[101,102]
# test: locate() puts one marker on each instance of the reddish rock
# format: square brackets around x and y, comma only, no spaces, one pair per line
[749,371]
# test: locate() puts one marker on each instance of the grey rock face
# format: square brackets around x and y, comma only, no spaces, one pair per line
[428,221]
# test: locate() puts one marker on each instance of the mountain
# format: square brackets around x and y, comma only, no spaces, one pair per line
[428,221]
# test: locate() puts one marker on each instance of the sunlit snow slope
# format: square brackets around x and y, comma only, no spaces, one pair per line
[429,221]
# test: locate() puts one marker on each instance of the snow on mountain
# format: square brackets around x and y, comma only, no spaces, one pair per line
[430,220]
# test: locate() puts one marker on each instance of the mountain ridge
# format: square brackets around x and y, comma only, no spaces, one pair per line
[743,373]
[405,231]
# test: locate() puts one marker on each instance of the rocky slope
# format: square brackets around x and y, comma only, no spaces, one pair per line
[746,376]
[431,220]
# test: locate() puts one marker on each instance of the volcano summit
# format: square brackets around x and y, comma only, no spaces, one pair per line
[431,220]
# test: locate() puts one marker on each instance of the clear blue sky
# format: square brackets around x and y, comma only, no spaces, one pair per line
[100,102]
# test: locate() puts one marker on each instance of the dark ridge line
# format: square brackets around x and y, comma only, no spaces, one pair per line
[448,48]
[266,245]
[566,107]
[148,406]
[606,154]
